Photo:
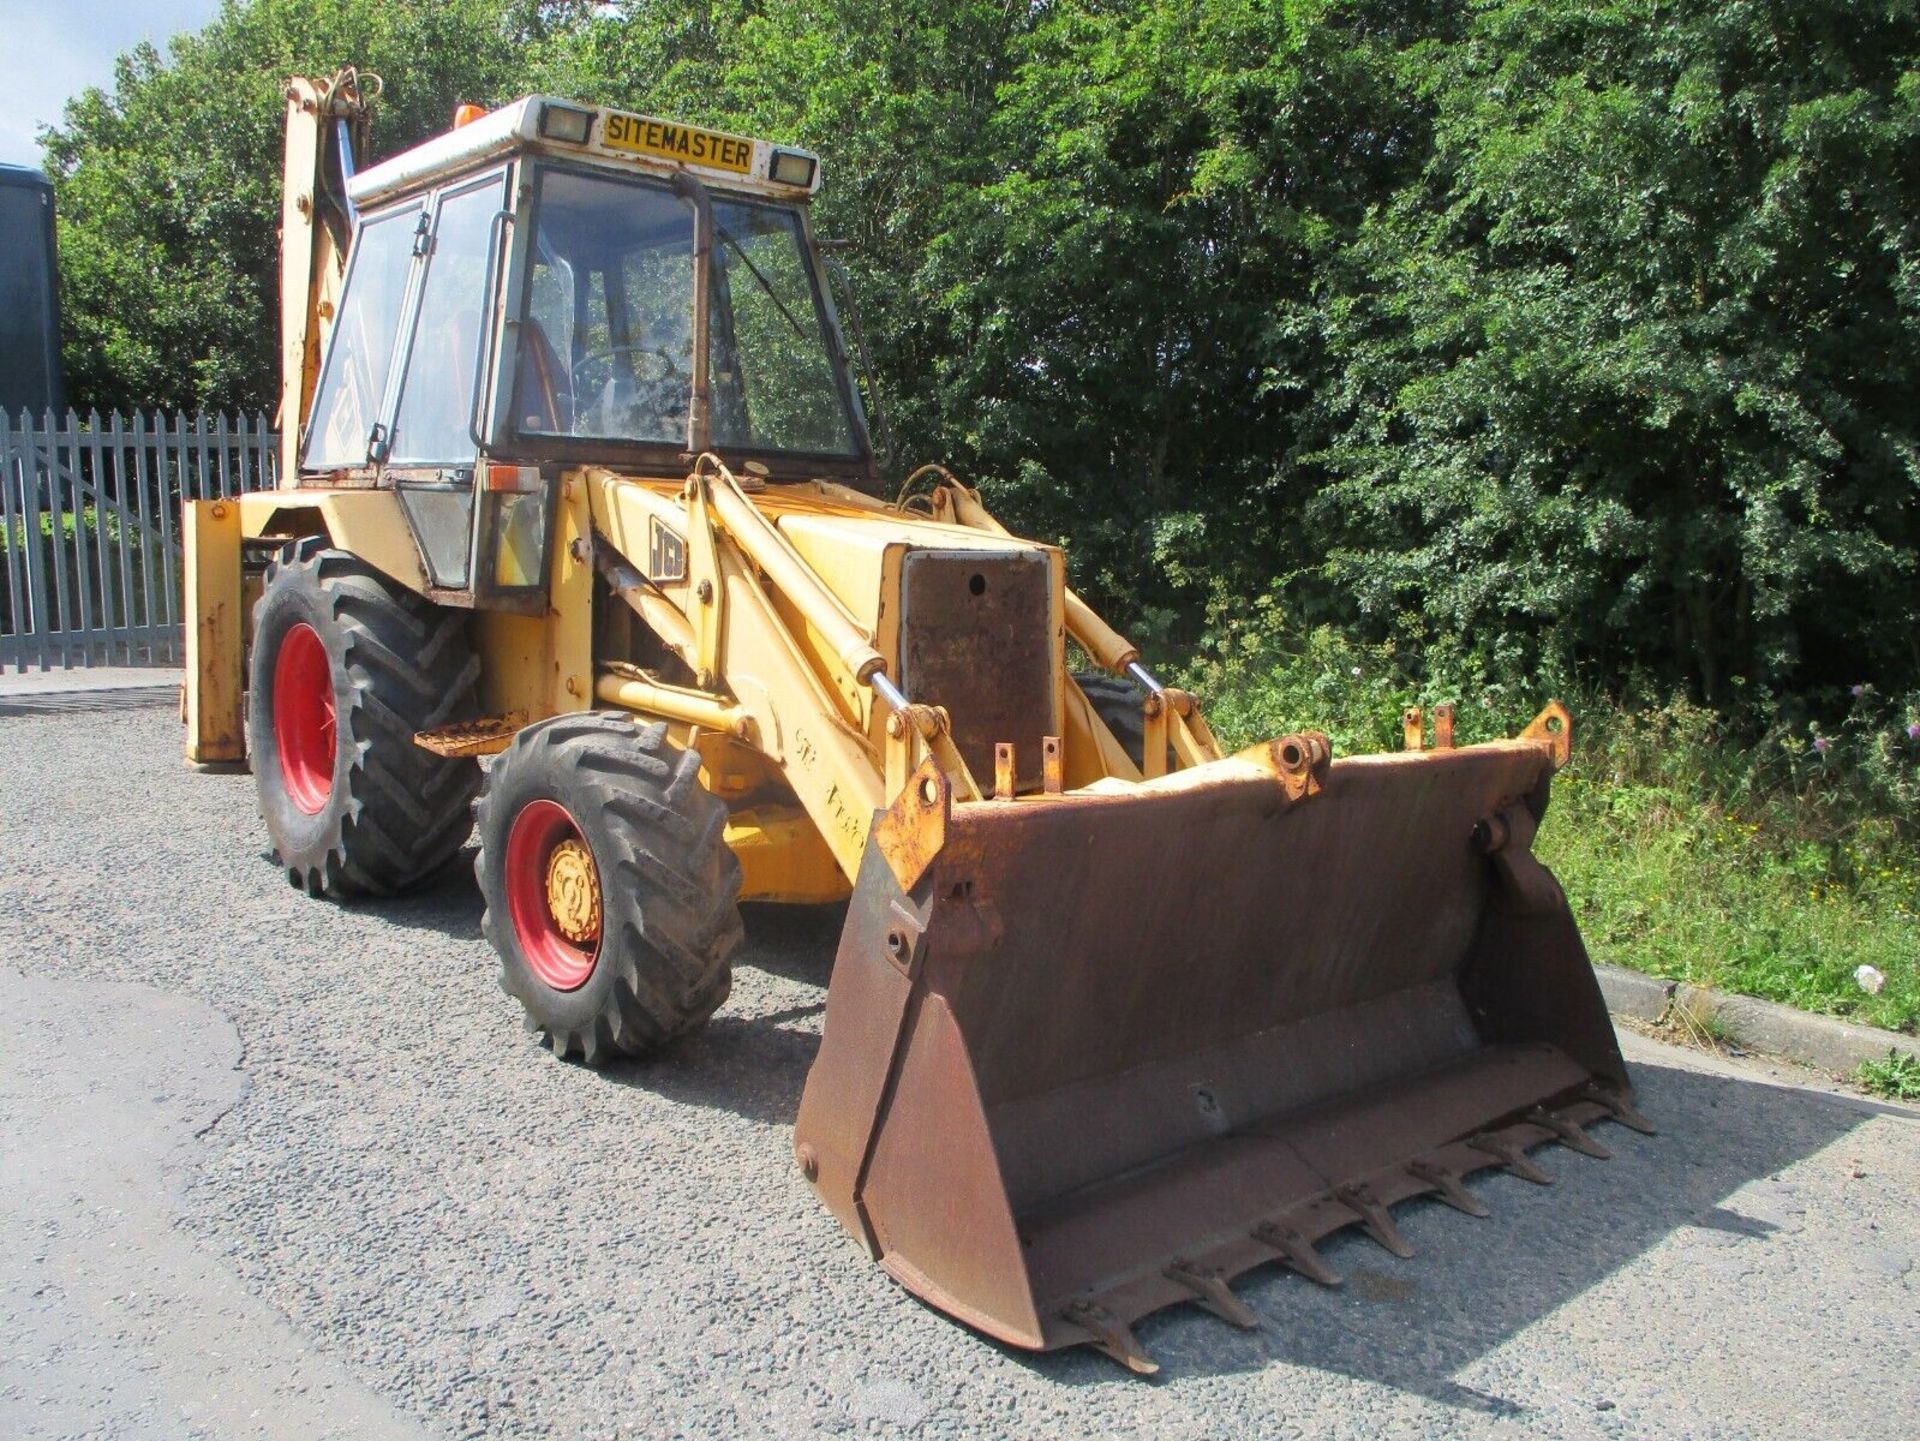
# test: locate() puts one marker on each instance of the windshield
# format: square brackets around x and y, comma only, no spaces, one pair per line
[606,343]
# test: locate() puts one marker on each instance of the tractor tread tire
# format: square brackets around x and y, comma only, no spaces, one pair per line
[1118,703]
[669,884]
[398,814]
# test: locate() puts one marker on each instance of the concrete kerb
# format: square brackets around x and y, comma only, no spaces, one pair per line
[1839,1047]
[24,682]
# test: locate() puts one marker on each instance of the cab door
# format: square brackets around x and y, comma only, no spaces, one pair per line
[430,447]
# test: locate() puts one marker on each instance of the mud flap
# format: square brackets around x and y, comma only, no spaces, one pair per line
[1089,1055]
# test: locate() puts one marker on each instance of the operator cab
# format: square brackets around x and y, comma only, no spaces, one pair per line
[553,285]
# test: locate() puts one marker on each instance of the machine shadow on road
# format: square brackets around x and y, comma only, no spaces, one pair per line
[755,1065]
[1411,1325]
[1475,1284]
[447,906]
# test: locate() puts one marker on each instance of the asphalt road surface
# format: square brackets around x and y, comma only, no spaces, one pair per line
[271,1167]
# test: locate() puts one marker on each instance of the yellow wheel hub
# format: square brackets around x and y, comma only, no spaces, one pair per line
[573,892]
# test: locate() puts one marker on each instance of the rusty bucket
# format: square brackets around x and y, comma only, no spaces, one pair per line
[1088,1055]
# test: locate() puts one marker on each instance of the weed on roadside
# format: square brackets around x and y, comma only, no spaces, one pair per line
[1897,1077]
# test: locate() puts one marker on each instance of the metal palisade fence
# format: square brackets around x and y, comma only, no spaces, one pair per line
[90,519]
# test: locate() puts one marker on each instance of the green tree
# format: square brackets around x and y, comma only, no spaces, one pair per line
[1575,334]
[1170,176]
[1625,376]
[168,186]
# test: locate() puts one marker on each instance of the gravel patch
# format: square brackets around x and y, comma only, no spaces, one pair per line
[497,1244]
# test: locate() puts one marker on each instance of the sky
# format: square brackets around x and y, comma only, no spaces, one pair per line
[58,48]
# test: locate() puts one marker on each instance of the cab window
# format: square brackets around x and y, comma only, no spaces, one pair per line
[775,383]
[434,422]
[347,403]
[606,348]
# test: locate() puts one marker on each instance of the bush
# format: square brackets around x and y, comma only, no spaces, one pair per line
[1774,864]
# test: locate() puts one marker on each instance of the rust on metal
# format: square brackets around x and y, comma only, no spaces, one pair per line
[1569,1134]
[1554,725]
[215,684]
[1051,765]
[1298,1252]
[487,736]
[1375,1219]
[1113,1336]
[1299,762]
[1511,1157]
[1412,729]
[966,615]
[1211,1291]
[1156,722]
[1003,782]
[1620,1109]
[1443,727]
[1112,1076]
[1446,1185]
[913,830]
[1507,837]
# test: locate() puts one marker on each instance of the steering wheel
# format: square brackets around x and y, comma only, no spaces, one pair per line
[651,405]
[667,370]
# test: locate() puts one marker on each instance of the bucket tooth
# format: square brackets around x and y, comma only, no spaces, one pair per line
[1570,1134]
[1108,1333]
[1511,1156]
[1210,1289]
[1620,1108]
[1375,1219]
[1447,1186]
[1297,1251]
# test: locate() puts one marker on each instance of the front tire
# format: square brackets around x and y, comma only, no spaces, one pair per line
[612,898]
[1118,703]
[346,668]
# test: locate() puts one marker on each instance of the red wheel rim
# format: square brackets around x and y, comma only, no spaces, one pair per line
[303,720]
[545,854]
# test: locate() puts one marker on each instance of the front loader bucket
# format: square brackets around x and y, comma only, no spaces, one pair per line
[1088,1055]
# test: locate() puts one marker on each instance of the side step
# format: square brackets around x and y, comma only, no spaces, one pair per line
[487,736]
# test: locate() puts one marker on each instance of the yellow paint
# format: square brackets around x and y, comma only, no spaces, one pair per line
[670,702]
[543,665]
[216,720]
[368,524]
[782,857]
[573,892]
[803,581]
[644,135]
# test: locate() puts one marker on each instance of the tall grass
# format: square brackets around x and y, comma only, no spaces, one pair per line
[1772,861]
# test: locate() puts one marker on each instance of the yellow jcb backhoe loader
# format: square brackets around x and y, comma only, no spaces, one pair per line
[577,477]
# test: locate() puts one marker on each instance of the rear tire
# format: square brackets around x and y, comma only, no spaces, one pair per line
[625,942]
[346,667]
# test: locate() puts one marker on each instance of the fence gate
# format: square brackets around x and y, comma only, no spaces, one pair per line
[90,518]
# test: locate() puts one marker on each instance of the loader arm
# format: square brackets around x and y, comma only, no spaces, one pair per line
[800,679]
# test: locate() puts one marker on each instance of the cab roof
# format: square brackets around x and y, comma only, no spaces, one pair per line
[597,134]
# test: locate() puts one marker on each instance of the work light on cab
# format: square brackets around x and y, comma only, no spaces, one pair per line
[792,167]
[565,123]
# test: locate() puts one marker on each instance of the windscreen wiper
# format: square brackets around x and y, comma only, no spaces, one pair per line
[764,283]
